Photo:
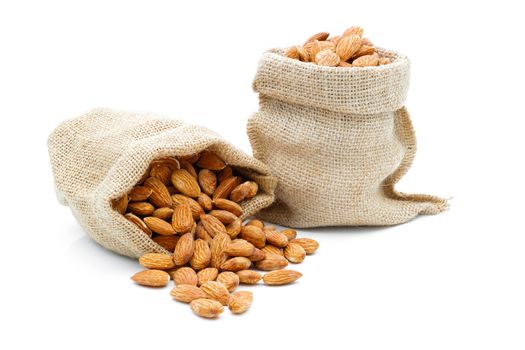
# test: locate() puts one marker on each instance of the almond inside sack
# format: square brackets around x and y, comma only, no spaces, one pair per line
[338,140]
[101,155]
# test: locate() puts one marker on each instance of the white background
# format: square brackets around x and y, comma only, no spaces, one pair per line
[453,281]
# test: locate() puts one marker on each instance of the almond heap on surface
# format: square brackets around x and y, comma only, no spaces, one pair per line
[192,206]
[346,51]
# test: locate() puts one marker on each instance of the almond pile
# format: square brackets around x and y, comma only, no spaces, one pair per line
[347,50]
[191,206]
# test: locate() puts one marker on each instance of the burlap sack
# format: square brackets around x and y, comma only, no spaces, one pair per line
[338,140]
[101,155]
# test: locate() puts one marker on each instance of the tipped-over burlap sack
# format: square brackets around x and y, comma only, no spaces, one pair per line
[101,155]
[338,140]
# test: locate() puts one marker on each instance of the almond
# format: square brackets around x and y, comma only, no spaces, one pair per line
[294,252]
[139,194]
[141,208]
[271,262]
[161,172]
[201,233]
[205,202]
[327,58]
[226,204]
[248,276]
[182,219]
[196,209]
[216,291]
[384,60]
[240,247]
[354,31]
[156,261]
[184,249]
[289,233]
[258,255]
[348,46]
[140,224]
[209,160]
[318,36]
[271,249]
[225,188]
[219,243]
[255,222]
[207,181]
[121,204]
[191,158]
[160,196]
[212,225]
[344,64]
[292,53]
[363,50]
[367,42]
[236,264]
[277,278]
[309,245]
[225,173]
[312,47]
[151,278]
[229,279]
[185,183]
[206,308]
[187,293]
[240,302]
[207,274]
[201,256]
[163,213]
[276,238]
[170,162]
[185,275]
[167,242]
[159,226]
[189,168]
[234,228]
[254,235]
[366,60]
[224,216]
[303,54]
[245,190]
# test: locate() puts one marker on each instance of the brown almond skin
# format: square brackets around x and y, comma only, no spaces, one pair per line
[161,172]
[196,209]
[151,278]
[139,223]
[226,204]
[240,247]
[255,222]
[187,293]
[182,219]
[207,274]
[226,187]
[191,158]
[225,173]
[141,208]
[184,249]
[290,234]
[249,276]
[224,216]
[217,291]
[202,255]
[219,243]
[212,225]
[258,255]
[272,262]
[240,301]
[157,261]
[189,168]
[209,160]
[201,233]
[207,308]
[280,277]
[271,249]
[163,213]
[208,181]
[167,242]
[205,202]
[276,238]
[229,279]
[185,275]
[160,196]
[185,183]
[139,194]
[236,264]
[121,204]
[295,253]
[254,235]
[234,228]
[309,245]
[159,226]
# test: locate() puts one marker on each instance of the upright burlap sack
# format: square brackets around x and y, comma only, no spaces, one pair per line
[338,140]
[102,154]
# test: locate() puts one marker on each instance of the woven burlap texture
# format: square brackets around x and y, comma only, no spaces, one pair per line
[102,154]
[338,140]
